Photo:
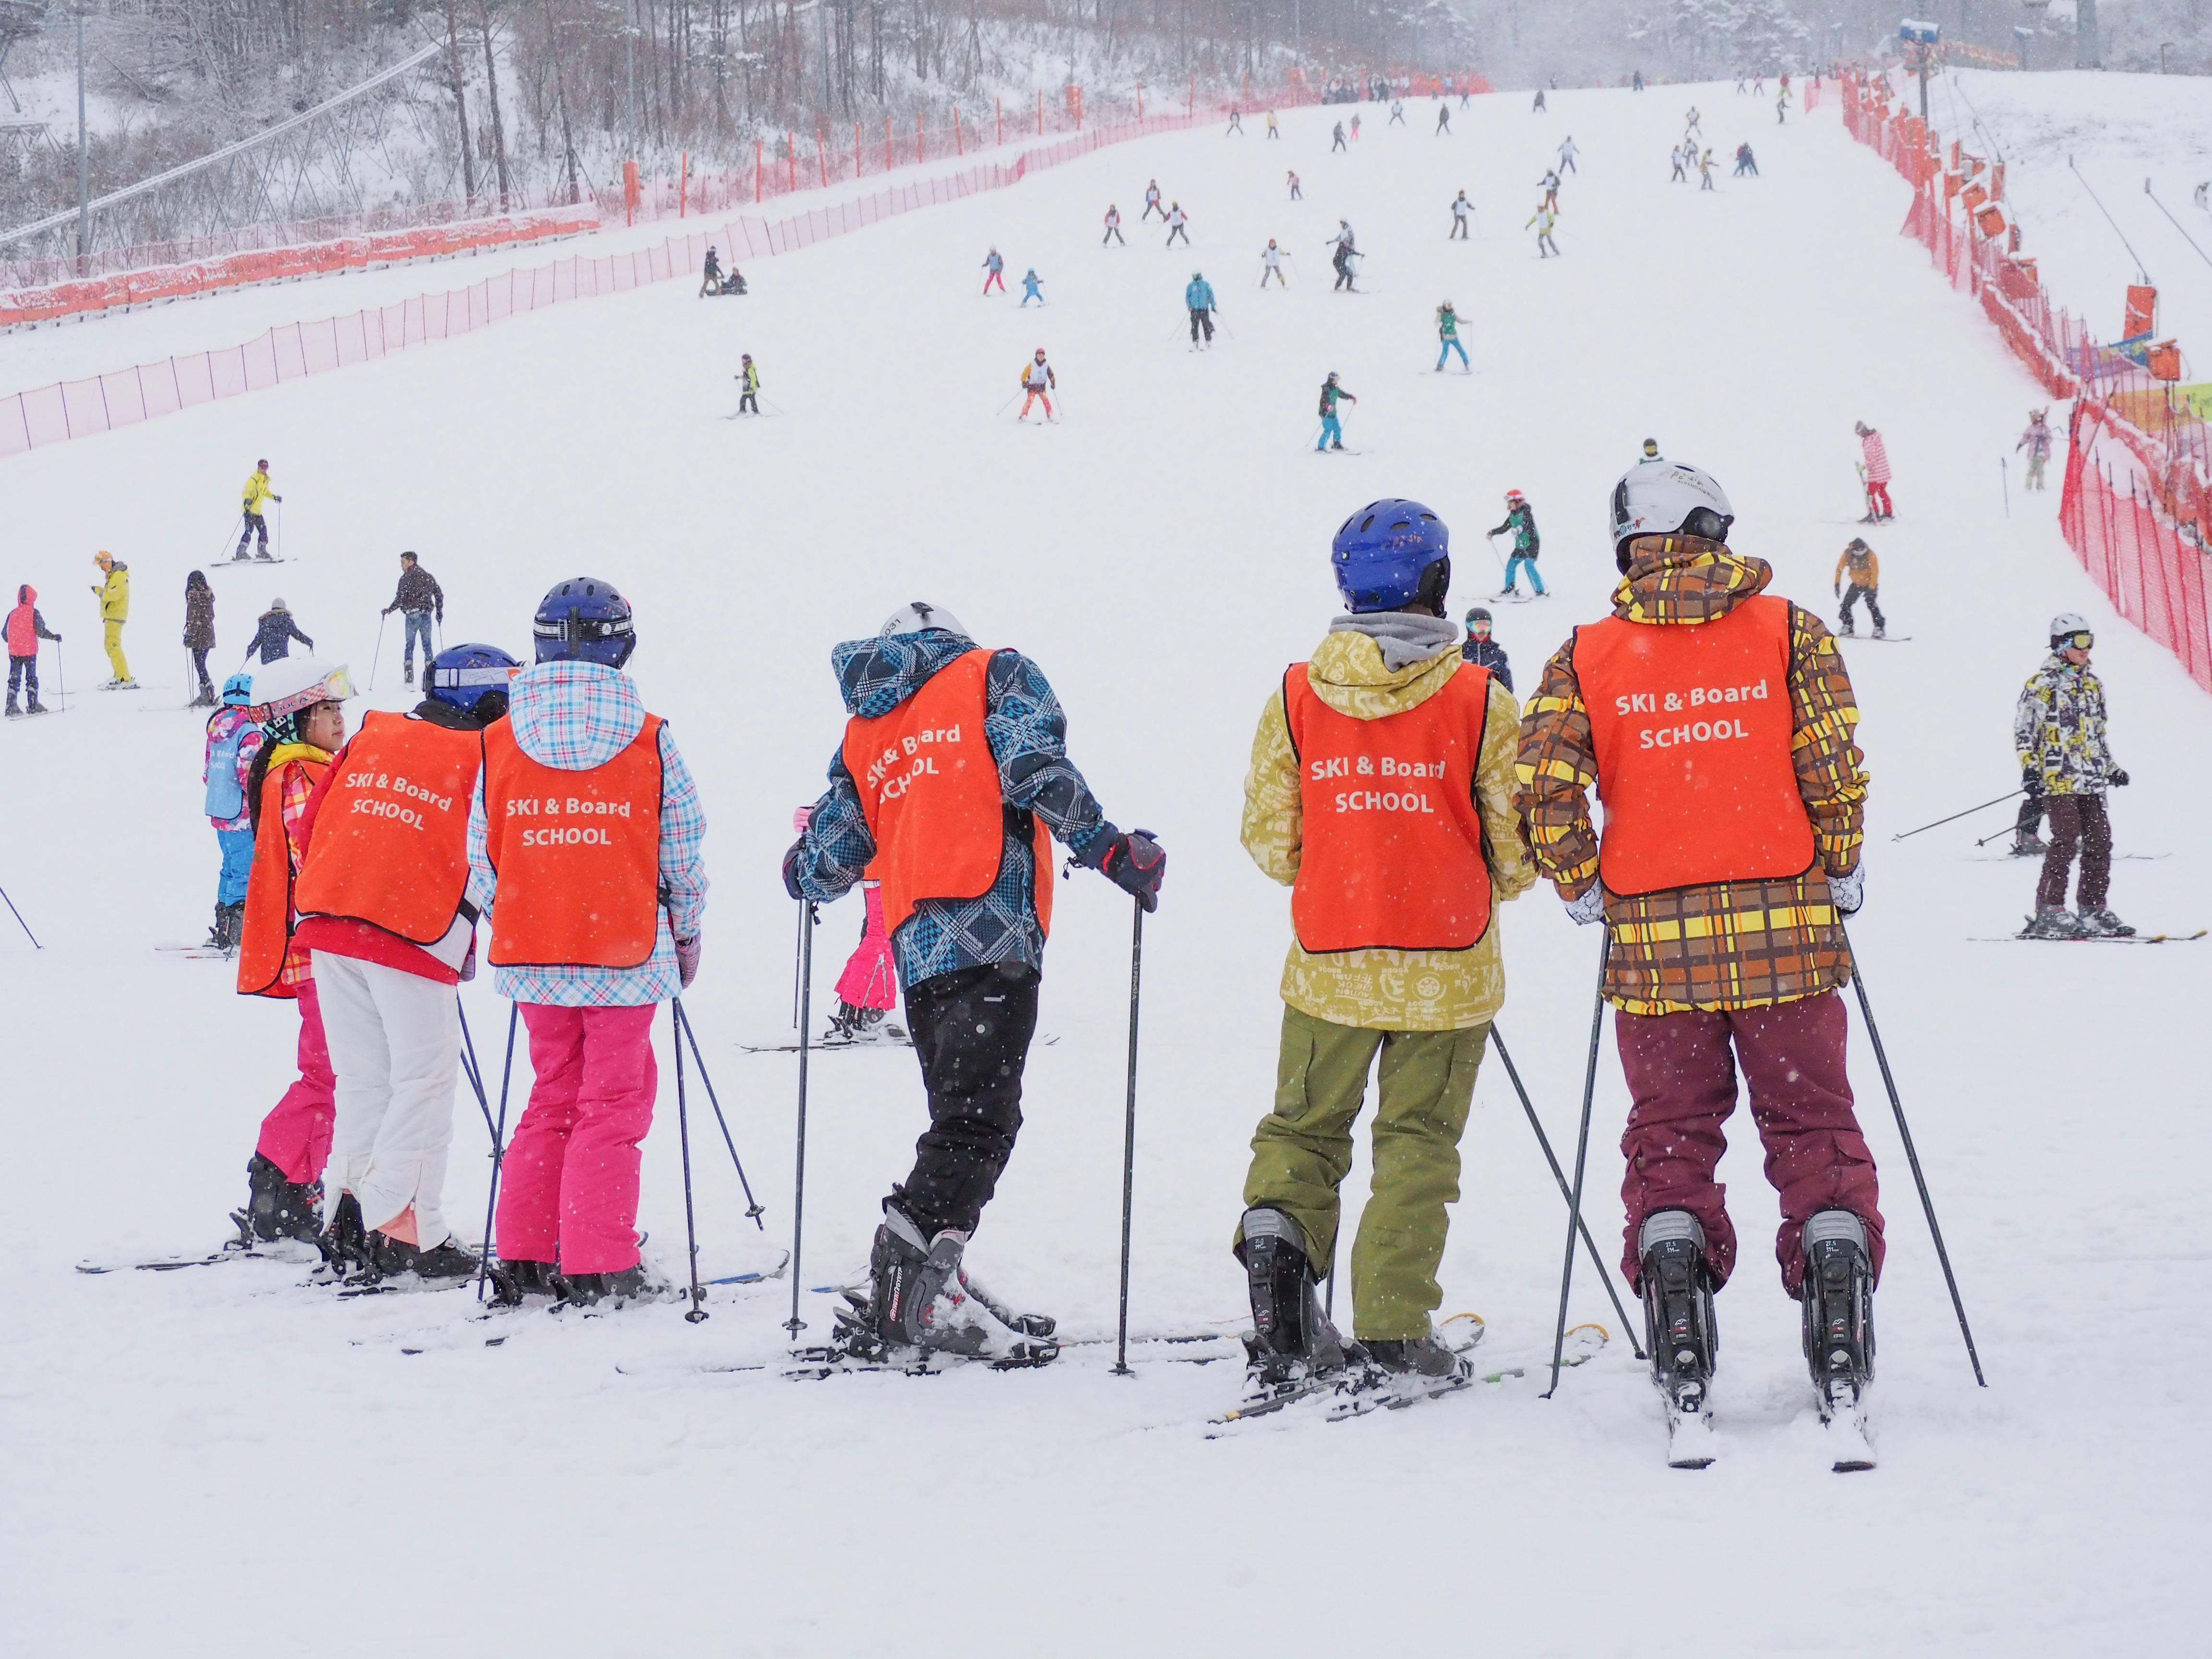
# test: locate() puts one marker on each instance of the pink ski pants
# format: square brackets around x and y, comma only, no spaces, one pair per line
[568,1186]
[296,1136]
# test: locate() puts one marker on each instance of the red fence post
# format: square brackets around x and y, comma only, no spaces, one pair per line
[757,172]
[1040,112]
[822,157]
[958,147]
[629,192]
[999,106]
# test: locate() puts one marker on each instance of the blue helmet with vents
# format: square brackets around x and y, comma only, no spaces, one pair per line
[584,619]
[1391,554]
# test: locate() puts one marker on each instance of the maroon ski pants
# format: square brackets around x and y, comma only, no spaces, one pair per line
[1682,1085]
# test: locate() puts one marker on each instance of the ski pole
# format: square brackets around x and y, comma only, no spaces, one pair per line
[382,617]
[1954,816]
[280,529]
[1582,1154]
[798,965]
[1129,1134]
[1557,1174]
[753,1210]
[1912,1157]
[475,1071]
[498,1147]
[20,922]
[795,1324]
[225,537]
[694,1313]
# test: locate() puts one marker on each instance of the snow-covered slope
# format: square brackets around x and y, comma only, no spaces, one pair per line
[194,1454]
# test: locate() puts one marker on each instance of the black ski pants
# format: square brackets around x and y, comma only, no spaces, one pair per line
[1174,231]
[1852,595]
[1200,318]
[749,403]
[971,1031]
[2078,824]
[199,667]
[1113,234]
[22,671]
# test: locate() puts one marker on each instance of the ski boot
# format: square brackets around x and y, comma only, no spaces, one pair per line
[345,1243]
[513,1281]
[14,713]
[1678,1325]
[918,1302]
[630,1284]
[218,937]
[1422,1357]
[2027,844]
[1293,1346]
[451,1260]
[2052,921]
[237,925]
[408,675]
[851,1024]
[277,1208]
[1837,1294]
[2103,924]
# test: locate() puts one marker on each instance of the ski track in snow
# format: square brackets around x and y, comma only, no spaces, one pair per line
[187,1452]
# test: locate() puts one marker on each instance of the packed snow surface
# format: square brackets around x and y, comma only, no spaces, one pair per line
[191,1456]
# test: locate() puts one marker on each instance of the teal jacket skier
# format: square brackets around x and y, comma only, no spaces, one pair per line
[1522,521]
[1448,332]
[1331,433]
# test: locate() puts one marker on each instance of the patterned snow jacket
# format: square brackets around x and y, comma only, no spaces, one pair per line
[1729,944]
[2058,727]
[1028,735]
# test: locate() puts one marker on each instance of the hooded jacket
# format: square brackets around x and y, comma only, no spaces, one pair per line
[115,593]
[25,627]
[1379,989]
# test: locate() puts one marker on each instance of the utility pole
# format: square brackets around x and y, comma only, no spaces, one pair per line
[83,157]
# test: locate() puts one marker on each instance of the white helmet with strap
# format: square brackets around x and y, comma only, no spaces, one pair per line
[1663,498]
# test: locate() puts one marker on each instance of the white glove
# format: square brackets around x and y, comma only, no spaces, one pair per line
[1845,890]
[1590,907]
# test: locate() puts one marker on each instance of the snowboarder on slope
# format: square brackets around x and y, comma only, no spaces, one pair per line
[1039,382]
[1521,520]
[1858,561]
[1332,429]
[1722,935]
[2036,440]
[113,594]
[298,705]
[274,632]
[234,738]
[383,901]
[1197,298]
[1874,470]
[1483,651]
[255,495]
[588,937]
[2058,727]
[418,599]
[1448,332]
[963,850]
[23,630]
[1393,952]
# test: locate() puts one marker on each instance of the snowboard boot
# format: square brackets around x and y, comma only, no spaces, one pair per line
[1846,631]
[589,1290]
[514,1281]
[1880,630]
[1838,1298]
[345,1243]
[2103,924]
[1678,1308]
[2027,844]
[1291,1338]
[1420,1356]
[2052,921]
[277,1208]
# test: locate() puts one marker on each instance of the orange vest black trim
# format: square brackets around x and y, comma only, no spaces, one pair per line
[929,788]
[1693,727]
[265,935]
[1392,857]
[391,836]
[577,855]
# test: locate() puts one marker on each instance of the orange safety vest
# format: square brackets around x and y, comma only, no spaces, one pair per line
[1392,855]
[265,937]
[1692,728]
[577,855]
[391,836]
[929,788]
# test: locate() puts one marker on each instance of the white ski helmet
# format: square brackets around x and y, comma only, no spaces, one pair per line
[917,616]
[292,684]
[2066,623]
[1658,498]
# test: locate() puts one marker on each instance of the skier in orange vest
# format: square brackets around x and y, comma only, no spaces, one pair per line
[383,903]
[1718,722]
[949,786]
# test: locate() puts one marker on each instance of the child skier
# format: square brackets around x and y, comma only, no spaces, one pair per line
[1271,264]
[1448,332]
[2036,440]
[1296,194]
[749,378]
[1151,201]
[1567,154]
[1336,139]
[1112,226]
[995,270]
[1483,651]
[1521,520]
[1874,469]
[1462,211]
[113,594]
[1178,225]
[1744,162]
[1039,383]
[255,495]
[199,633]
[1397,113]
[1443,121]
[24,627]
[1543,219]
[1032,286]
[1549,183]
[1236,125]
[1198,299]
[1859,563]
[274,633]
[1355,126]
[234,740]
[1332,429]
[2058,728]
[1273,132]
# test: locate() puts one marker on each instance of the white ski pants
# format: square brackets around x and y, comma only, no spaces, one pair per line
[395,1041]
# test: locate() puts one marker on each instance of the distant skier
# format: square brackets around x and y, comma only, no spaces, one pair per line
[1271,264]
[1745,162]
[1859,562]
[1178,225]
[1874,469]
[1567,154]
[1112,226]
[1636,82]
[1332,429]
[1537,108]
[1346,252]
[274,632]
[255,495]
[1782,107]
[1448,332]
[1151,201]
[710,273]
[1521,520]
[1397,113]
[1705,171]
[1549,183]
[2058,729]
[1273,132]
[234,738]
[1355,126]
[1296,194]
[1039,383]
[1443,121]
[1032,286]
[419,600]
[1336,139]
[199,633]
[1651,450]
[23,630]
[1694,123]
[1462,211]
[995,270]
[113,594]
[1542,220]
[1678,158]
[1197,298]
[1236,124]
[1483,651]
[2036,440]
[749,383]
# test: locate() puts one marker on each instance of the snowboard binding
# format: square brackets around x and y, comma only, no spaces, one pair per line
[1837,1295]
[1678,1308]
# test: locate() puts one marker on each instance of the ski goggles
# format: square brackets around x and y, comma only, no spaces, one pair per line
[2081,641]
[334,687]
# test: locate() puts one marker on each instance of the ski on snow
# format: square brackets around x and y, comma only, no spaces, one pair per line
[1395,1393]
[2092,938]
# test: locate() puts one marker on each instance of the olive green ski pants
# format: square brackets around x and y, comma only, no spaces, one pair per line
[1301,1151]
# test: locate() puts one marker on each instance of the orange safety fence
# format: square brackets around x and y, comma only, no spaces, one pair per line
[2147,549]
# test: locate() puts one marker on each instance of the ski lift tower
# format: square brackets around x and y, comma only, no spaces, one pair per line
[1920,41]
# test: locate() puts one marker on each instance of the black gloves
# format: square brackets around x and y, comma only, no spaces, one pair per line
[2117,777]
[1133,862]
[2031,780]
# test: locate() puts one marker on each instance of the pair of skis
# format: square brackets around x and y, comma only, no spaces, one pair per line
[1692,1442]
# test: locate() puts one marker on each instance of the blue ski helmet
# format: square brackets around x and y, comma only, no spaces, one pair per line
[1391,554]
[238,691]
[466,676]
[584,619]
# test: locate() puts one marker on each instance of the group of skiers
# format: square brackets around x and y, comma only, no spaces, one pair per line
[1547,206]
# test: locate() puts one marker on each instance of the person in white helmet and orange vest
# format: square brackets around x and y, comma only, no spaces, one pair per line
[298,702]
[1718,725]
[584,851]
[951,784]
[383,901]
[1039,382]
[1380,791]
